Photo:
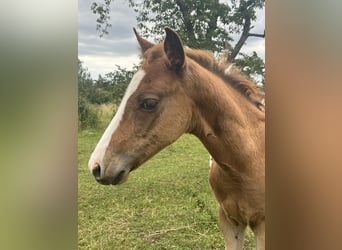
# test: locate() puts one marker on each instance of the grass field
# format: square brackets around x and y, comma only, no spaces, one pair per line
[167,203]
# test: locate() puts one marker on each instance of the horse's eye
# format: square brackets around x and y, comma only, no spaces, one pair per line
[149,104]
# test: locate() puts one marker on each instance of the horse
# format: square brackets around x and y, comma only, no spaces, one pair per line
[181,90]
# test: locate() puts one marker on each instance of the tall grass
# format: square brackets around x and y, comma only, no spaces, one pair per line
[88,116]
[165,204]
[106,112]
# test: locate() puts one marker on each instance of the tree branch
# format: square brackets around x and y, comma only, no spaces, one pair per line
[245,8]
[257,35]
[242,40]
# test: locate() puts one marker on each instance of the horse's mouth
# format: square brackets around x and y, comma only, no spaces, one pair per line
[123,175]
[119,179]
[134,166]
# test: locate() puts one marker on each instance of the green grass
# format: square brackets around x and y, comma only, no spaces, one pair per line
[167,203]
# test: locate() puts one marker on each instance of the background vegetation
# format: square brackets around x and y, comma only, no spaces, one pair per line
[94,93]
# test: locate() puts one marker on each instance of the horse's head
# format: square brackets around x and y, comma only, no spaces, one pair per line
[154,112]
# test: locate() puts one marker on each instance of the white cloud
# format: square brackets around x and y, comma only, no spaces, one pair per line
[103,64]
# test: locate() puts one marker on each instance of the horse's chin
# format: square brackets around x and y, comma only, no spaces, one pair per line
[121,178]
[118,179]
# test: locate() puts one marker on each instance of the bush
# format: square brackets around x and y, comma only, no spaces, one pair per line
[88,117]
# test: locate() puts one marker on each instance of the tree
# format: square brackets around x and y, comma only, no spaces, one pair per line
[87,115]
[119,80]
[205,24]
[200,23]
[108,89]
[101,92]
[85,83]
[252,66]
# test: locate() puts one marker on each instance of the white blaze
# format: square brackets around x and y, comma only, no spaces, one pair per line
[100,149]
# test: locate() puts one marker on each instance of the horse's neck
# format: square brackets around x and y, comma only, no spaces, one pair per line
[226,123]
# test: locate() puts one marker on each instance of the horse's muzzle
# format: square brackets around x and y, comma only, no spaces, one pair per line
[108,180]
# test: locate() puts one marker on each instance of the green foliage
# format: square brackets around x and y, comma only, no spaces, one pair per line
[111,88]
[253,66]
[201,24]
[88,116]
[102,22]
[119,80]
[101,91]
[108,89]
[104,90]
[85,83]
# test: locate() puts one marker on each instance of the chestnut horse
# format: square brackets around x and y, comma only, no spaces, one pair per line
[178,90]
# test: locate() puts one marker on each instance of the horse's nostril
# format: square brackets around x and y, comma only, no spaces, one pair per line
[97,172]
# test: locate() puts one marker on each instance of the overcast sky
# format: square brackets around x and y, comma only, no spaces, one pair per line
[119,47]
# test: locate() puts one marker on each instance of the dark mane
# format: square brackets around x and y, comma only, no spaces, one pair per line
[234,77]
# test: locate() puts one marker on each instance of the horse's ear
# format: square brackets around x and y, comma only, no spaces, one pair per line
[144,44]
[173,48]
